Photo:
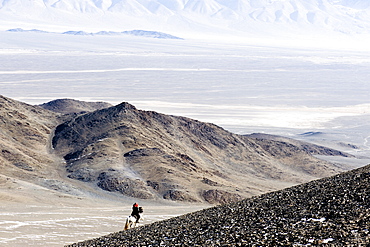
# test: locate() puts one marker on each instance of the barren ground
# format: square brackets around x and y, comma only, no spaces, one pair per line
[68,220]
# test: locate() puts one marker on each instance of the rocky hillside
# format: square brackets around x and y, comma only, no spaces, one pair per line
[333,211]
[148,155]
[144,154]
[24,139]
[308,147]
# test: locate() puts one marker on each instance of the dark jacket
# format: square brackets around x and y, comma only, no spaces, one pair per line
[135,211]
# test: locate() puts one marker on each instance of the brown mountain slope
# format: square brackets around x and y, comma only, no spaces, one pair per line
[24,138]
[67,106]
[309,147]
[149,155]
[29,170]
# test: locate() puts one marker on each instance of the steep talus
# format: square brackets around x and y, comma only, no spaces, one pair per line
[149,155]
[332,211]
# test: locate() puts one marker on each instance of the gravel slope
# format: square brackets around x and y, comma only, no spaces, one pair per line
[333,210]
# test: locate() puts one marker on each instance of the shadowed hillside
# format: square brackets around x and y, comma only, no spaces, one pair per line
[334,211]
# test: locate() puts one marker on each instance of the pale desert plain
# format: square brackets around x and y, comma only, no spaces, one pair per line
[57,219]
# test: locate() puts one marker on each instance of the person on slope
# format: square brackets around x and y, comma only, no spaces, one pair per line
[136,211]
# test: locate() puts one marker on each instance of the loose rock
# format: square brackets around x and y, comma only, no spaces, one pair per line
[334,211]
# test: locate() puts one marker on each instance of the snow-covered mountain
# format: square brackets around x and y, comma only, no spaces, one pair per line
[185,17]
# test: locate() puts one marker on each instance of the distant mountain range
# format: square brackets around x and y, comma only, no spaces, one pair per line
[141,33]
[79,148]
[190,16]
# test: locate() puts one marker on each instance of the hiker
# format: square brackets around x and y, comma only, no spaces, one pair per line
[136,212]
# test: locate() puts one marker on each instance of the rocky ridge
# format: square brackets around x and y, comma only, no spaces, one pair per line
[149,155]
[333,211]
[308,147]
[70,106]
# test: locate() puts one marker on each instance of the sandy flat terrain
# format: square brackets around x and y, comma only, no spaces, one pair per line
[48,225]
[31,215]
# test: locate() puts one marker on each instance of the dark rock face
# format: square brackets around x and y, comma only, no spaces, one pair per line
[116,181]
[144,152]
[333,211]
[24,166]
[219,196]
[178,195]
[83,174]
